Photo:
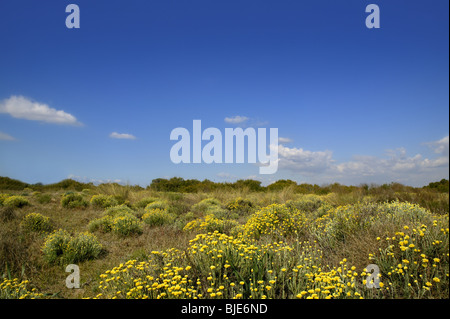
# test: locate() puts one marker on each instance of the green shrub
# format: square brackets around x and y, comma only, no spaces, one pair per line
[35,222]
[119,220]
[16,201]
[241,206]
[222,213]
[73,200]
[210,224]
[145,201]
[102,224]
[103,201]
[55,245]
[206,205]
[86,191]
[84,246]
[3,197]
[309,203]
[119,210]
[159,204]
[60,246]
[126,225]
[43,198]
[276,221]
[158,217]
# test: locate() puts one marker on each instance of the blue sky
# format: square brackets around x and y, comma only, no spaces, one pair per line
[353,105]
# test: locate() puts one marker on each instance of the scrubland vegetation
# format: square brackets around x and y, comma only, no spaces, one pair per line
[198,239]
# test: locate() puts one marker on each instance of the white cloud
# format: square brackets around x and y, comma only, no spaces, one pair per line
[441,146]
[395,165]
[6,137]
[284,140]
[236,119]
[24,108]
[303,161]
[122,136]
[84,179]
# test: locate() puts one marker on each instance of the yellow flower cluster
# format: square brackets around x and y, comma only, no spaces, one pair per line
[275,220]
[216,265]
[266,258]
[15,289]
[416,257]
[210,223]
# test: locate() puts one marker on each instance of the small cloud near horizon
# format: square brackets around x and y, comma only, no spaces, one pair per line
[236,119]
[123,136]
[284,140]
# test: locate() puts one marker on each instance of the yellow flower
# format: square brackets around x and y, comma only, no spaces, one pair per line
[435,279]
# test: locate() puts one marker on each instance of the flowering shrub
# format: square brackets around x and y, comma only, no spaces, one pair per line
[209,224]
[73,200]
[103,201]
[125,225]
[276,221]
[55,245]
[16,201]
[145,201]
[218,266]
[241,206]
[3,197]
[119,220]
[15,289]
[206,205]
[35,222]
[158,204]
[415,260]
[158,217]
[61,246]
[114,211]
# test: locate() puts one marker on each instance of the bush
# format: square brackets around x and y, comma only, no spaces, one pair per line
[145,201]
[277,221]
[55,245]
[158,217]
[159,204]
[206,205]
[3,197]
[16,201]
[73,200]
[222,213]
[35,222]
[308,203]
[119,210]
[241,206]
[83,247]
[103,201]
[62,247]
[43,198]
[119,220]
[126,225]
[102,224]
[210,224]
